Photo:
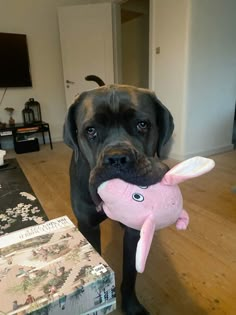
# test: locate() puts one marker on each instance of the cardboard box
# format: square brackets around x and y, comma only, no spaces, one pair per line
[52,269]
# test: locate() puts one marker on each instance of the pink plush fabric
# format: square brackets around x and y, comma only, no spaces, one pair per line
[151,208]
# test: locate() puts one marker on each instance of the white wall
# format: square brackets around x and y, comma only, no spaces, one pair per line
[195,73]
[211,77]
[38,20]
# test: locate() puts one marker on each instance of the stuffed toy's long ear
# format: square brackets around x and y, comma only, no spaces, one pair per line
[165,123]
[70,130]
[187,169]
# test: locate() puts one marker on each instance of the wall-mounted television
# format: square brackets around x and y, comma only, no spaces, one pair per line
[14,61]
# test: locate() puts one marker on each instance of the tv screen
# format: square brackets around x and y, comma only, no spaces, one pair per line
[14,61]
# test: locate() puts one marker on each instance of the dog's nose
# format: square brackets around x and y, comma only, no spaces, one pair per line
[116,160]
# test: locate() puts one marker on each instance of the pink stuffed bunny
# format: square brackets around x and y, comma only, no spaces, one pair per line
[151,208]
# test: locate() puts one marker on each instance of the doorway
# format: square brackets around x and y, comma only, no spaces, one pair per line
[135,42]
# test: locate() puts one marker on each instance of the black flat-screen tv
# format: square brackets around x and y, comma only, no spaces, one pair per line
[14,61]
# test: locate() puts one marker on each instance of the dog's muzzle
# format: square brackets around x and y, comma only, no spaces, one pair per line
[119,158]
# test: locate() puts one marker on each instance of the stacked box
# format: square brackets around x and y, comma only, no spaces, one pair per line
[51,269]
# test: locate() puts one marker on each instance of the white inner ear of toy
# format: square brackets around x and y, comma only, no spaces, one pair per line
[192,167]
[103,185]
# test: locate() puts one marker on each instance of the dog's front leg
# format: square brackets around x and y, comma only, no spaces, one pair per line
[130,303]
[89,225]
[92,234]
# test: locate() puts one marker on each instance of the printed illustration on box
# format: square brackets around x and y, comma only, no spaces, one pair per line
[54,273]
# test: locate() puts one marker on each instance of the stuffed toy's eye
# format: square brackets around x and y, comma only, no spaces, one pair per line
[137,197]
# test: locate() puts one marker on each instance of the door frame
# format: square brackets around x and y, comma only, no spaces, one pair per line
[152,36]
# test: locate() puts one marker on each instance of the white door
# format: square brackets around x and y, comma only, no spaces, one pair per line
[86,44]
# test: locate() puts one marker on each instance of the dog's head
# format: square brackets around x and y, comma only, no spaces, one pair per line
[117,128]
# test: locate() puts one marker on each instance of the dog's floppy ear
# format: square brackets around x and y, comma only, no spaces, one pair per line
[165,123]
[70,130]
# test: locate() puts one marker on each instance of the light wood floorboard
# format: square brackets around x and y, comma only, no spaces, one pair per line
[187,273]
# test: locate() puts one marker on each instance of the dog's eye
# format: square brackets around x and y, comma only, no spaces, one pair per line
[137,197]
[91,132]
[142,126]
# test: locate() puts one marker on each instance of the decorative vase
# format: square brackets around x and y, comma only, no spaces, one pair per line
[10,111]
[11,121]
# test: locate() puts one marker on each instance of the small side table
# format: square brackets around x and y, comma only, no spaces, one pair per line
[26,129]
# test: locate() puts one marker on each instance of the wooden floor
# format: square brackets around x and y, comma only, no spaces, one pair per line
[187,273]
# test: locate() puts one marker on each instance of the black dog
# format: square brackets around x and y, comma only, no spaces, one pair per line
[114,131]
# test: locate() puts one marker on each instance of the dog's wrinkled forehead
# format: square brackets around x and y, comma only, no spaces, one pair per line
[115,96]
[112,97]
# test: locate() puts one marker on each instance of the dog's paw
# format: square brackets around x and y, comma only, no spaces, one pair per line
[136,310]
[132,306]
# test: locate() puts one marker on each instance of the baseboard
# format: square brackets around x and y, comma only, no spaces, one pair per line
[204,153]
[57,139]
